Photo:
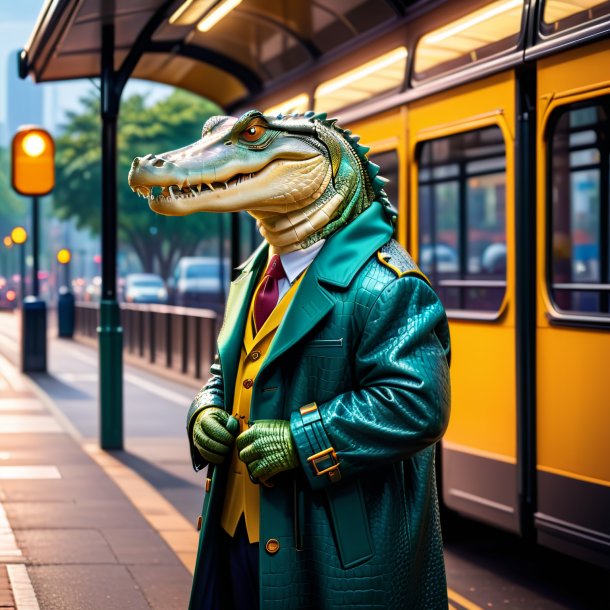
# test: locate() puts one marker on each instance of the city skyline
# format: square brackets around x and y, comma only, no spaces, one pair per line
[16,26]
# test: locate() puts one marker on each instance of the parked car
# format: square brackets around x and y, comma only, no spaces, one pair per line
[442,256]
[200,281]
[145,288]
[93,291]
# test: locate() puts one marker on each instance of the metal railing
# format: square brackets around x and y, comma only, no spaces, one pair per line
[176,338]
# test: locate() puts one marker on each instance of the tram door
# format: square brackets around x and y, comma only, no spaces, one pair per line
[385,134]
[461,154]
[573,303]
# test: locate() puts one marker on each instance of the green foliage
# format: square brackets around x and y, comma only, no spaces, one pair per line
[14,208]
[168,124]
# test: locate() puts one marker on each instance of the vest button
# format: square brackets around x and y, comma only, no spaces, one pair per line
[199,523]
[255,355]
[248,383]
[272,546]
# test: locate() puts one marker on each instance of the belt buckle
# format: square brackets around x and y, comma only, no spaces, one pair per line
[321,457]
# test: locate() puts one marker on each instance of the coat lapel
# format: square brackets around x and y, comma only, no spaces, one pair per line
[335,266]
[231,334]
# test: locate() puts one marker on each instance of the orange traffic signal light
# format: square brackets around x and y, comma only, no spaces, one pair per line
[33,161]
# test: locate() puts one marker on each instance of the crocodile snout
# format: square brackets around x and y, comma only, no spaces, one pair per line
[152,171]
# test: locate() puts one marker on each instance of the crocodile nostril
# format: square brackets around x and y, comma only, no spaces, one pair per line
[136,162]
[159,163]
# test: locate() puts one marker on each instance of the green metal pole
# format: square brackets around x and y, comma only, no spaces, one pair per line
[110,332]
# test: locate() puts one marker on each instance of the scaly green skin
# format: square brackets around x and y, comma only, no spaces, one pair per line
[301,176]
[267,449]
[214,433]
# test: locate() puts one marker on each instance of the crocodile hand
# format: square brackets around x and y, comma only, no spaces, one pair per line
[214,433]
[267,448]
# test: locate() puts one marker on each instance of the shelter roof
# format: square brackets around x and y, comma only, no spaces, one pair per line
[259,43]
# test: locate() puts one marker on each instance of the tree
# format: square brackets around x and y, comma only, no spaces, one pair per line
[175,121]
[13,208]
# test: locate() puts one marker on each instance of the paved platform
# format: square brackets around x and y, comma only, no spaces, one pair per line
[78,524]
[70,538]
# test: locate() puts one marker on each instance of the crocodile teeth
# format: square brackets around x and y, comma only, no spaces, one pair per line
[171,192]
[210,186]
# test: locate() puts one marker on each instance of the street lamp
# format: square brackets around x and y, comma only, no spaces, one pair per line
[33,173]
[19,236]
[65,303]
[64,256]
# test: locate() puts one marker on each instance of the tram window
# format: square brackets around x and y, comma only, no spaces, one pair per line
[559,15]
[388,162]
[462,218]
[579,209]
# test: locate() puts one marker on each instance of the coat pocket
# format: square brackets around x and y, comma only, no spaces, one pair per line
[350,524]
[326,348]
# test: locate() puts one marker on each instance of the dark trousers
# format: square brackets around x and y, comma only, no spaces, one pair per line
[242,559]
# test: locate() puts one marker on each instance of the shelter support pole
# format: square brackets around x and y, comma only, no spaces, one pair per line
[110,332]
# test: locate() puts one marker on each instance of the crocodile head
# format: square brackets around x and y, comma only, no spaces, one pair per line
[301,176]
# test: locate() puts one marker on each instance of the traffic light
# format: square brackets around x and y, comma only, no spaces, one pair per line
[33,161]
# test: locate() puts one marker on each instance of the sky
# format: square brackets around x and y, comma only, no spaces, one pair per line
[17,20]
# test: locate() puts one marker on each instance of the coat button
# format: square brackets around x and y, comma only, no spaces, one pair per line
[248,383]
[255,355]
[199,523]
[272,546]
[208,484]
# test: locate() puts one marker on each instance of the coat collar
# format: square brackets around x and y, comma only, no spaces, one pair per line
[335,266]
[341,257]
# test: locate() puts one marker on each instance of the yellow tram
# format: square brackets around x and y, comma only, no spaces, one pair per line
[492,121]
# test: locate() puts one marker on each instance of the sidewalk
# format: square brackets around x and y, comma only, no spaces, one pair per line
[70,539]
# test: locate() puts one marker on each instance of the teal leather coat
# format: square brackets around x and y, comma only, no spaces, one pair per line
[368,342]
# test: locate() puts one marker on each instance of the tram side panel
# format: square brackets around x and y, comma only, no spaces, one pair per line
[573,322]
[461,150]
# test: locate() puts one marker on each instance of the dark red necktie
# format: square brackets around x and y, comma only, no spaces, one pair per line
[268,294]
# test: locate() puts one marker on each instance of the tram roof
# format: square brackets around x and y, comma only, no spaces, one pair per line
[259,43]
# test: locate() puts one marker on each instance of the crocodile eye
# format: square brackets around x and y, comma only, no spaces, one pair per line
[253,133]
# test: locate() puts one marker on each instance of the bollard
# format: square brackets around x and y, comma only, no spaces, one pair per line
[33,335]
[65,313]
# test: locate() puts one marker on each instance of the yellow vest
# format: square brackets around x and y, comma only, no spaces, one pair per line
[242,496]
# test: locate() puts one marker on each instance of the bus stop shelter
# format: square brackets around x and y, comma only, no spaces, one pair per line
[236,53]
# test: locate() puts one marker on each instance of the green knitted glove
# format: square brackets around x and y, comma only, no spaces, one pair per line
[214,433]
[267,448]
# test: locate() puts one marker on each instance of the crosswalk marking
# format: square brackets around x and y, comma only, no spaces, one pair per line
[20,404]
[28,472]
[28,424]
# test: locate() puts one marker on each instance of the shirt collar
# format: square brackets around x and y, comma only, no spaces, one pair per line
[297,261]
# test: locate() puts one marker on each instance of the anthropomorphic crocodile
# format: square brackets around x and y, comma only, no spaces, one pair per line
[331,385]
[301,177]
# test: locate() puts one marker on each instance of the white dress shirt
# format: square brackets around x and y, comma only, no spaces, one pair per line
[295,263]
